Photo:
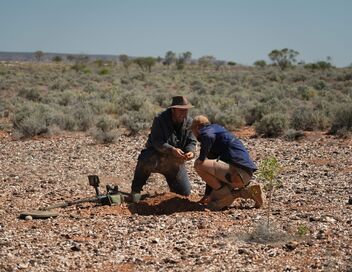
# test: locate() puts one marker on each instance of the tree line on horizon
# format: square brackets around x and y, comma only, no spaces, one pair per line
[283,58]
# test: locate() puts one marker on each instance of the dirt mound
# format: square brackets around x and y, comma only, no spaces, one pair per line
[167,203]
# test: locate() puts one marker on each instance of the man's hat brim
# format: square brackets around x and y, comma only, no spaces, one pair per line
[181,107]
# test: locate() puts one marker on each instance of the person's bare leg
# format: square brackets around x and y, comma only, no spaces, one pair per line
[212,181]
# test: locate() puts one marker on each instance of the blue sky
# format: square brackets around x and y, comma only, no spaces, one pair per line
[234,30]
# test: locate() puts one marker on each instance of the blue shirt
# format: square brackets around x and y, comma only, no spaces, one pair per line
[219,142]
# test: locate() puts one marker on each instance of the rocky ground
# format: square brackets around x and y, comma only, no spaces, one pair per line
[311,214]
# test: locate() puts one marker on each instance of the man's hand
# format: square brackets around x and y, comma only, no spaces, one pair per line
[189,156]
[178,153]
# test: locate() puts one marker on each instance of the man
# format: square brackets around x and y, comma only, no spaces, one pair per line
[169,145]
[225,165]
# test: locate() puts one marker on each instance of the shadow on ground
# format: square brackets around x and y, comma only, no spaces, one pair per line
[165,204]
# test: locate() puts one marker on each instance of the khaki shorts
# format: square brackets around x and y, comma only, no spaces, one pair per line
[230,174]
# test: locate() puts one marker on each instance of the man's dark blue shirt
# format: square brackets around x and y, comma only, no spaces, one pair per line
[219,142]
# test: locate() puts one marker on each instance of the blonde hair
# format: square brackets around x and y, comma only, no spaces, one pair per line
[200,121]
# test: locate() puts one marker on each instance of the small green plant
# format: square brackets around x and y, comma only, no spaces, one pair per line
[268,171]
[104,71]
[302,230]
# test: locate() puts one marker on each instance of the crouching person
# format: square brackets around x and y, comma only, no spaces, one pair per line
[225,165]
[170,144]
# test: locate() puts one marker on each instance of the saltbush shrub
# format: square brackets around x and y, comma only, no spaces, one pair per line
[105,130]
[304,118]
[32,119]
[271,125]
[342,119]
[30,94]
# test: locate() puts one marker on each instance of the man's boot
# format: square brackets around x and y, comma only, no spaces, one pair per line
[253,192]
[221,198]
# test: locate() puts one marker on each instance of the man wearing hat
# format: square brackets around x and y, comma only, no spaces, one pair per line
[170,143]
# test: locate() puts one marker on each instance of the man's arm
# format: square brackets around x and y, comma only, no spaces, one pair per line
[206,142]
[158,139]
[191,141]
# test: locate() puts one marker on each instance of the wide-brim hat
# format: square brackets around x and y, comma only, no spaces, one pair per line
[180,102]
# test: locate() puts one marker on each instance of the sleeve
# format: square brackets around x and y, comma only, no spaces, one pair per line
[206,142]
[191,142]
[158,139]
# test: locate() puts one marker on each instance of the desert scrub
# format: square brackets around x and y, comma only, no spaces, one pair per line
[271,125]
[136,121]
[105,130]
[30,94]
[32,119]
[342,119]
[304,118]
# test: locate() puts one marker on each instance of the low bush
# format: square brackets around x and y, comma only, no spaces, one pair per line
[83,116]
[271,125]
[32,119]
[104,137]
[30,94]
[304,118]
[342,119]
[106,123]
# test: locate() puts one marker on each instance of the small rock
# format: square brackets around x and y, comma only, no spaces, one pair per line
[290,246]
[28,217]
[243,251]
[22,265]
[330,219]
[272,252]
[155,241]
[321,235]
[350,201]
[76,247]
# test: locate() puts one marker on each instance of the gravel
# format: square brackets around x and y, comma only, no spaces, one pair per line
[311,214]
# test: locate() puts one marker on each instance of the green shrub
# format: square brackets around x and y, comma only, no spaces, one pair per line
[306,93]
[256,110]
[104,137]
[271,125]
[342,119]
[32,119]
[106,123]
[136,121]
[230,118]
[104,71]
[30,94]
[304,118]
[83,116]
[104,131]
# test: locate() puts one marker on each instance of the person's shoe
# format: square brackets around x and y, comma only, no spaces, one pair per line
[220,198]
[205,200]
[253,192]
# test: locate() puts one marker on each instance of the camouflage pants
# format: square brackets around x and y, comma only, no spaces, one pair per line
[150,161]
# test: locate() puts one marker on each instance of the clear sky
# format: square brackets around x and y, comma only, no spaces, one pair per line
[234,30]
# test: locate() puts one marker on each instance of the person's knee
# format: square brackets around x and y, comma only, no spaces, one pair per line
[197,167]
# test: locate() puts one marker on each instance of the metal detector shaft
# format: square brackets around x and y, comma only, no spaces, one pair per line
[70,203]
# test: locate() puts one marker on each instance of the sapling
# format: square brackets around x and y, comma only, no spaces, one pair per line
[269,169]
